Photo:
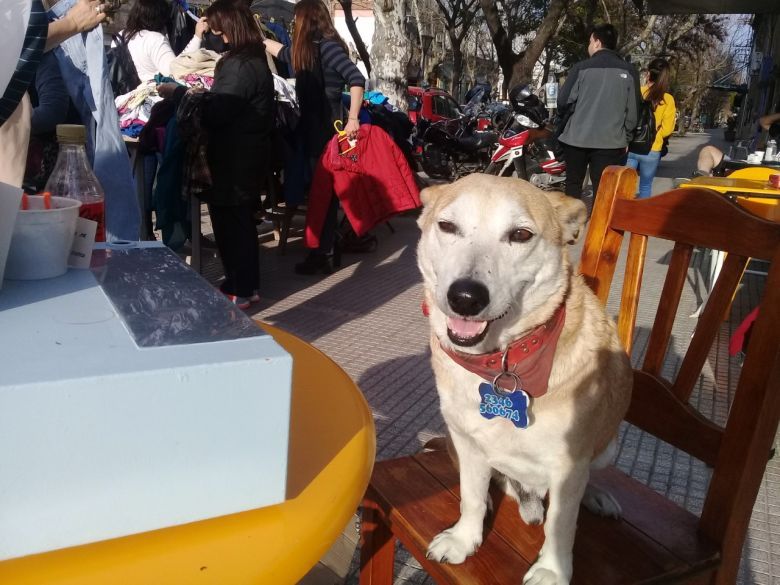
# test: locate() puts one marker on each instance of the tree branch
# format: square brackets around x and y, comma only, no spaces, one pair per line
[643,36]
[346,6]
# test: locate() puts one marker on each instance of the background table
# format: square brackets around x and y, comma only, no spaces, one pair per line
[331,455]
[758,197]
[730,166]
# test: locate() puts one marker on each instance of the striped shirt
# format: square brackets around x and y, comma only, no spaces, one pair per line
[32,52]
[337,68]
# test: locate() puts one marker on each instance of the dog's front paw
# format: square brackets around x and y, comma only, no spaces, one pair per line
[542,576]
[601,502]
[452,547]
[549,569]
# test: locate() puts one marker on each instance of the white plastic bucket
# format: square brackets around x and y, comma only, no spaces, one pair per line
[42,239]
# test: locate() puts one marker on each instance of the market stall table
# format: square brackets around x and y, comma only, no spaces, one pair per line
[330,458]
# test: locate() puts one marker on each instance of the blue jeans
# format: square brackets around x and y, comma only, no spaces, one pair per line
[83,66]
[647,165]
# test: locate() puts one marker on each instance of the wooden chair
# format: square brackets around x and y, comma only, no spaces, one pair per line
[412,499]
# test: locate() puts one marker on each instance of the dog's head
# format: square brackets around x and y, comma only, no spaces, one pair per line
[492,251]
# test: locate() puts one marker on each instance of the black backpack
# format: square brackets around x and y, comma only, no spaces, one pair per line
[644,134]
[121,70]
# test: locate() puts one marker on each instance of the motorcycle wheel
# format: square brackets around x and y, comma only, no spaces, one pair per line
[509,171]
[444,166]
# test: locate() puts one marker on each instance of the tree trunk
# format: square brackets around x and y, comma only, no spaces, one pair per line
[522,69]
[389,51]
[457,67]
[346,6]
[504,54]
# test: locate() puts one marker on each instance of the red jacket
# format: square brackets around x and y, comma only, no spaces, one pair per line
[373,182]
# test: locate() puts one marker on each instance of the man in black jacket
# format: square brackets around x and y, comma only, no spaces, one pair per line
[602,96]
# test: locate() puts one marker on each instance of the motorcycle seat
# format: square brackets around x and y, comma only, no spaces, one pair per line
[478,140]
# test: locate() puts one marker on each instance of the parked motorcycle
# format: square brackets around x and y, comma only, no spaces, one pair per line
[527,147]
[450,149]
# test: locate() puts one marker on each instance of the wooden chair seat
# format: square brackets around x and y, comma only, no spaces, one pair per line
[418,496]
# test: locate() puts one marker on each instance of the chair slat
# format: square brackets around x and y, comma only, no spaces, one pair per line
[635,265]
[667,308]
[602,244]
[708,326]
[694,216]
[750,430]
[654,408]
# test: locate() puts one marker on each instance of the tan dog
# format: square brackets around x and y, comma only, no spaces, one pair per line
[498,277]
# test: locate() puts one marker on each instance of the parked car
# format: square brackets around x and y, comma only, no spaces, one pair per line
[431,103]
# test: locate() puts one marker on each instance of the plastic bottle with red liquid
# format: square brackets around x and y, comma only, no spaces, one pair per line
[73,177]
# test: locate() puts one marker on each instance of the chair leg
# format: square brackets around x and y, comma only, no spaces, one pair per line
[285,231]
[377,546]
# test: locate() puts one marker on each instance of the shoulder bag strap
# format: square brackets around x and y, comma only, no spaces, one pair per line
[271,64]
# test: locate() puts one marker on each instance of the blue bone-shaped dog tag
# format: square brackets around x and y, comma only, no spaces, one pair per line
[512,406]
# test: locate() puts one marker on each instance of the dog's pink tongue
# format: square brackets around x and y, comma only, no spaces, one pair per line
[465,329]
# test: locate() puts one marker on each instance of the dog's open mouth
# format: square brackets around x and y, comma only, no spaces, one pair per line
[465,332]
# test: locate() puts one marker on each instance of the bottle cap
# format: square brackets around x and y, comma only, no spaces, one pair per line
[71,134]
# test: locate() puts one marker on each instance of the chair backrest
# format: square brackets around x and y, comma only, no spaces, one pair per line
[755,173]
[692,218]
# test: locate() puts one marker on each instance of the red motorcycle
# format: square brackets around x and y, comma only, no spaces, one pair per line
[527,148]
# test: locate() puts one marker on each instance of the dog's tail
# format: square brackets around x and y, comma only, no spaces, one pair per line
[443,443]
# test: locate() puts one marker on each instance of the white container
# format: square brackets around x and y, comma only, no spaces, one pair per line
[102,437]
[42,239]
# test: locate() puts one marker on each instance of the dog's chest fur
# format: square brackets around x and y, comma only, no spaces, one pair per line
[522,454]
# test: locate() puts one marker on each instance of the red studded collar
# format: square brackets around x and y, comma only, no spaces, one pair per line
[525,364]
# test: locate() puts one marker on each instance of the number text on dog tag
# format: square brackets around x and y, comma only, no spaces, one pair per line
[512,406]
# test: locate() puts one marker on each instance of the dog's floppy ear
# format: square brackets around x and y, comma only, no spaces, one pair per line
[429,194]
[428,197]
[572,214]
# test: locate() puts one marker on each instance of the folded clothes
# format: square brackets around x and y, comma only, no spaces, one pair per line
[200,62]
[133,130]
[195,80]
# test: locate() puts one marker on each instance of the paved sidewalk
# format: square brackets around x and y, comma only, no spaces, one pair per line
[367,318]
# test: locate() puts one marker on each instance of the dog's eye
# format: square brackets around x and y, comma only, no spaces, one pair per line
[520,235]
[448,227]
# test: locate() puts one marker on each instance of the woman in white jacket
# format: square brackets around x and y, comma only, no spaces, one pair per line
[146,40]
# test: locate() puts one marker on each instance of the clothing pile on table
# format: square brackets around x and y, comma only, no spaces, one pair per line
[135,107]
[194,69]
[200,63]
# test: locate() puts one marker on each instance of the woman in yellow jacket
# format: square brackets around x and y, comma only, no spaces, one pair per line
[663,107]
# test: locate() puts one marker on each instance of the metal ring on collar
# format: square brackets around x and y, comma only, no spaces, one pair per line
[504,392]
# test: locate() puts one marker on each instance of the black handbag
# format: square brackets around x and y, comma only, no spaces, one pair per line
[644,134]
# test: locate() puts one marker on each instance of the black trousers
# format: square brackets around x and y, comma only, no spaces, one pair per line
[579,159]
[236,237]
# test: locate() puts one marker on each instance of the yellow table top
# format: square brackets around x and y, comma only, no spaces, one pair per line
[331,455]
[729,185]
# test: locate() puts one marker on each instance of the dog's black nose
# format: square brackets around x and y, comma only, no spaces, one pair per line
[468,297]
